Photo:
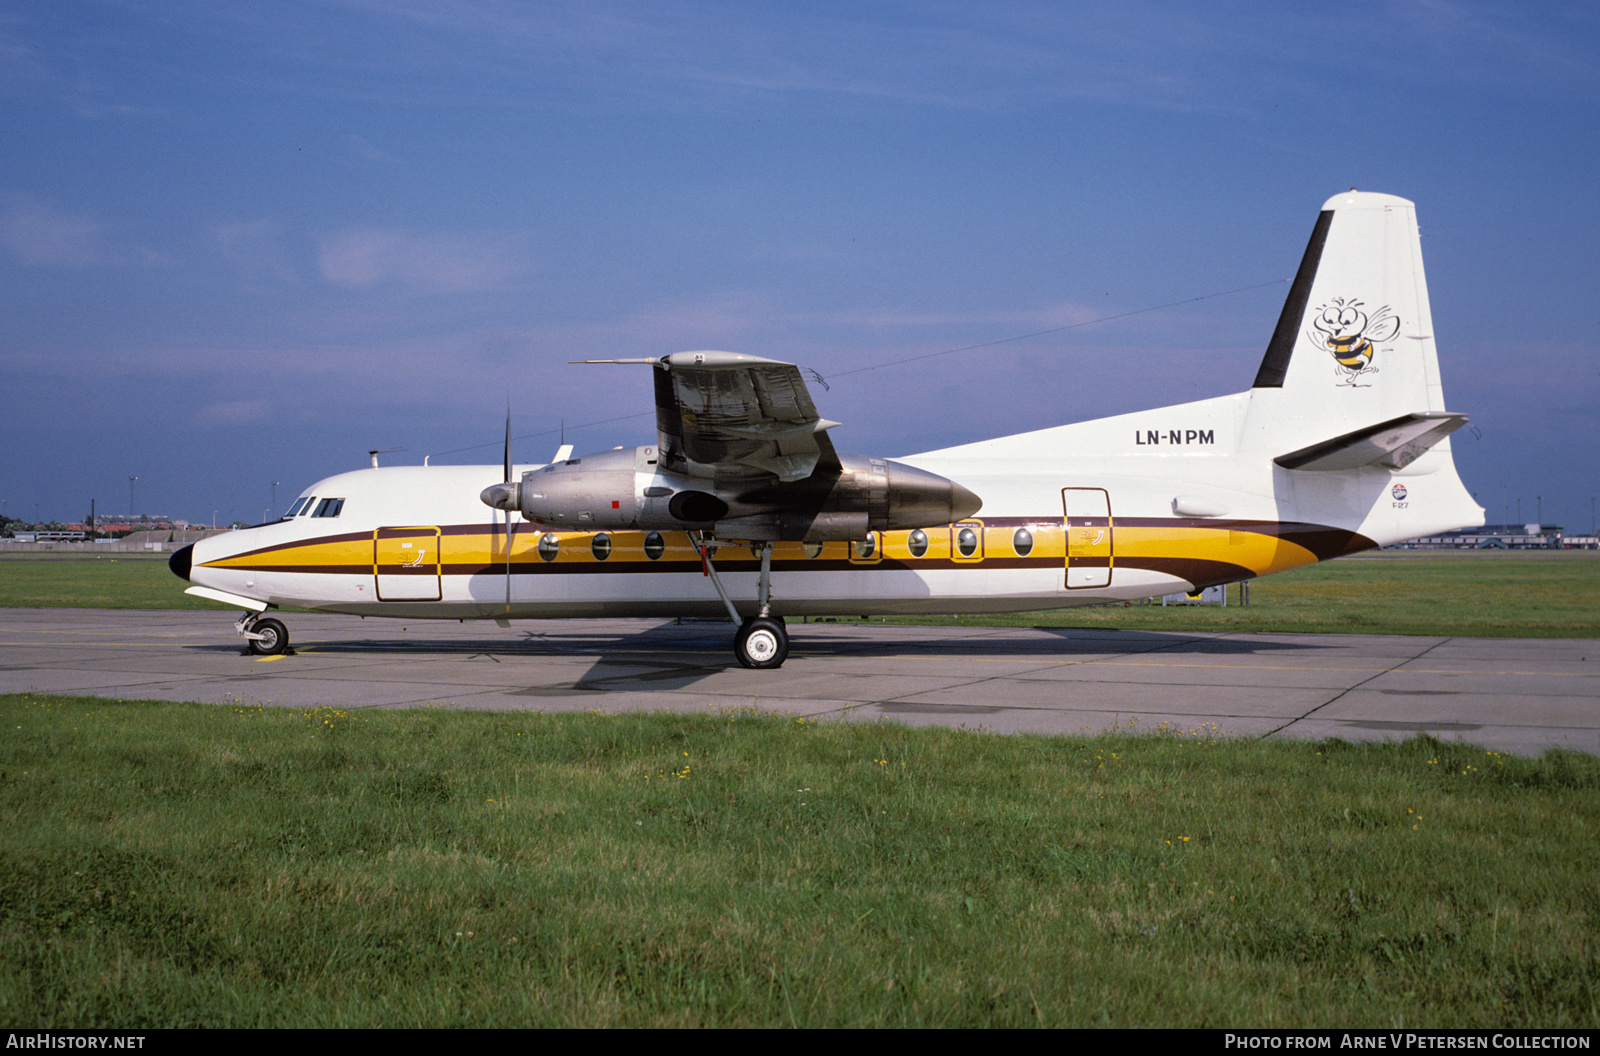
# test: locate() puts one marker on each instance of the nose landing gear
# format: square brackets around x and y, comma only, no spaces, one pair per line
[264,636]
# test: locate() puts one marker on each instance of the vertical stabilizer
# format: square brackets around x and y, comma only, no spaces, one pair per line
[1349,386]
[1354,346]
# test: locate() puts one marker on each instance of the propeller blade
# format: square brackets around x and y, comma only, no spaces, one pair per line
[508,443]
[511,509]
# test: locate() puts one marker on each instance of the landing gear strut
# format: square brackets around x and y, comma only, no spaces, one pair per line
[264,635]
[763,640]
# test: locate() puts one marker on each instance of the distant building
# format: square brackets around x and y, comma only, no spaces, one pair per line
[1503,537]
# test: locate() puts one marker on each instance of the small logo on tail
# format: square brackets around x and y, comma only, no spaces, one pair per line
[1344,328]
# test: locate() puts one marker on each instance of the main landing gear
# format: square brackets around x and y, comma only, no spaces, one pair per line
[264,636]
[763,639]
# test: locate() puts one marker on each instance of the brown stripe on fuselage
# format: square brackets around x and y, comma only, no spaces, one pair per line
[1199,571]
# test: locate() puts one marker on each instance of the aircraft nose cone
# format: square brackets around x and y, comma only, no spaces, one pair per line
[181,560]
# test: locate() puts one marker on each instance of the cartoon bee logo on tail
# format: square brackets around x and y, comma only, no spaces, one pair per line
[1343,328]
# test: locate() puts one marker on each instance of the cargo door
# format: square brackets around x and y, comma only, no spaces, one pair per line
[1086,514]
[405,563]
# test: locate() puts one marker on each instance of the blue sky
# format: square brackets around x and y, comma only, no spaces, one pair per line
[246,243]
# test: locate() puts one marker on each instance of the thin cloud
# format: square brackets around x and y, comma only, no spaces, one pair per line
[930,56]
[376,257]
[366,150]
[257,249]
[235,412]
[1056,315]
[1502,44]
[946,55]
[40,235]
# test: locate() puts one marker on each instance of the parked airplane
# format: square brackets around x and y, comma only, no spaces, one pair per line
[743,505]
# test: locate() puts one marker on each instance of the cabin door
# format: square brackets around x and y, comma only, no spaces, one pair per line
[405,563]
[1086,514]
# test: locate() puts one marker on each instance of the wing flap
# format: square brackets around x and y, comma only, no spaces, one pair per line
[726,414]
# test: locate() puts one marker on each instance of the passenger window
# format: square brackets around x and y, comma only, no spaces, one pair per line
[548,546]
[917,543]
[811,550]
[866,548]
[600,546]
[1022,542]
[654,546]
[967,542]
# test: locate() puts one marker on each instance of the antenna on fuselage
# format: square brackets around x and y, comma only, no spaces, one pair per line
[374,452]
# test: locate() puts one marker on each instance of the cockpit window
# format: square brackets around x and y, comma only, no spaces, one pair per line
[299,504]
[329,508]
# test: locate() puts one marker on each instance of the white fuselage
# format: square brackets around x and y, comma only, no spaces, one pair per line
[1175,502]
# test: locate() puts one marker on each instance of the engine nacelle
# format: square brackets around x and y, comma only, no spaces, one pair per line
[627,490]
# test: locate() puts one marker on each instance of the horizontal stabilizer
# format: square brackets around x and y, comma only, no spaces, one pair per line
[1394,444]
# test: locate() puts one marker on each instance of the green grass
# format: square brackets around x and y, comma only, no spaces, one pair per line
[1495,597]
[173,865]
[94,581]
[1499,596]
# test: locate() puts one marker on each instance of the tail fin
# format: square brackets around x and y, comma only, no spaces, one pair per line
[1350,379]
[1354,346]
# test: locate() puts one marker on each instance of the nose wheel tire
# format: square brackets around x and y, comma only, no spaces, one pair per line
[274,637]
[762,642]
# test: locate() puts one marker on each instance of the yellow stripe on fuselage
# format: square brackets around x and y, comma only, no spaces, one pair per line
[1261,552]
[345,551]
[469,549]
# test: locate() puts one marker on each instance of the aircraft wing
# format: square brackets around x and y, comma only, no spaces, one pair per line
[725,414]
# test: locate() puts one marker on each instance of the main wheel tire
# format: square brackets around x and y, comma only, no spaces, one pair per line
[762,642]
[274,637]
